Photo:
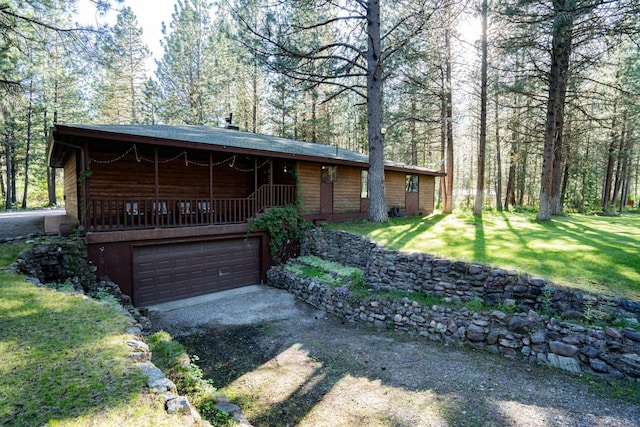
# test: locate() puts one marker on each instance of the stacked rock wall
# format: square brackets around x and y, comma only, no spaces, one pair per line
[57,260]
[527,334]
[459,281]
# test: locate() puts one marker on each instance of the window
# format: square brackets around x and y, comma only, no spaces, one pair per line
[412,183]
[364,184]
[329,173]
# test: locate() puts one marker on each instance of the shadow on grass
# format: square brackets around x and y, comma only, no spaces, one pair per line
[416,227]
[479,245]
[51,365]
[600,251]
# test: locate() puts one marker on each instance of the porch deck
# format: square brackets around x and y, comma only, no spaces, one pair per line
[128,213]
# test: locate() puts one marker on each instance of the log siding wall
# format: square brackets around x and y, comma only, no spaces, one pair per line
[309,175]
[346,190]
[71,187]
[395,189]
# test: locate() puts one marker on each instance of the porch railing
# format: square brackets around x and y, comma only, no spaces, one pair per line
[106,214]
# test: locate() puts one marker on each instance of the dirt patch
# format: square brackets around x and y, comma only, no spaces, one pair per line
[314,370]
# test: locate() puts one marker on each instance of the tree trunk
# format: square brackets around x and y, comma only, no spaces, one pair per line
[611,161]
[560,55]
[413,132]
[8,157]
[448,202]
[28,147]
[442,196]
[377,203]
[498,157]
[482,146]
[621,156]
[51,186]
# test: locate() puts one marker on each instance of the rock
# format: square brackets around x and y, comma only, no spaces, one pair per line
[178,405]
[481,322]
[563,349]
[452,327]
[475,269]
[538,337]
[476,333]
[599,366]
[493,336]
[590,352]
[631,333]
[504,342]
[571,339]
[613,333]
[417,318]
[227,407]
[498,315]
[630,363]
[138,346]
[518,325]
[565,363]
[631,306]
[533,316]
[536,281]
[397,318]
[509,302]
[157,382]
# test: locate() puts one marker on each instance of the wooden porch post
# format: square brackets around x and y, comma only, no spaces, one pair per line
[255,186]
[209,209]
[158,211]
[156,173]
[84,160]
[271,181]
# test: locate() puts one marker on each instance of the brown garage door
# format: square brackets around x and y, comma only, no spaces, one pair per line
[170,272]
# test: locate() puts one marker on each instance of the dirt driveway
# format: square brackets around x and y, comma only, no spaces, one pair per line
[288,364]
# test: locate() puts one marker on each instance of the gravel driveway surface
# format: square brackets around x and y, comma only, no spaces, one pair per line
[288,364]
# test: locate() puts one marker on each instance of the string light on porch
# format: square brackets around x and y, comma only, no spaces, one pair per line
[230,160]
[104,162]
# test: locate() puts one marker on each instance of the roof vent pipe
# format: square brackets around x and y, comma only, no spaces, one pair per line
[229,125]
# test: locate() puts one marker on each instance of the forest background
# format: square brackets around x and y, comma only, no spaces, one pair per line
[548,94]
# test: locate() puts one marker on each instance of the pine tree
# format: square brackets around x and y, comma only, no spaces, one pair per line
[122,72]
[184,73]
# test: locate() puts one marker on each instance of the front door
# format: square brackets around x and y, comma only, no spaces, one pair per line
[326,189]
[412,199]
[326,198]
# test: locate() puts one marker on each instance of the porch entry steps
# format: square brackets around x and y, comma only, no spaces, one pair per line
[108,214]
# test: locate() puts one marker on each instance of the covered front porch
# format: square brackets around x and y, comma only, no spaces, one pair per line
[148,187]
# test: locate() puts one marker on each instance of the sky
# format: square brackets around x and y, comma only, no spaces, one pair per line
[150,14]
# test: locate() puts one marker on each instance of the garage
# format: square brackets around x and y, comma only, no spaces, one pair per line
[168,272]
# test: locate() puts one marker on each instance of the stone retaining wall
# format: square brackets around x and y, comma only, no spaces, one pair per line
[459,281]
[534,337]
[57,260]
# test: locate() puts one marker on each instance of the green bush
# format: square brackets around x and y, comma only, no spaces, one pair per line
[284,224]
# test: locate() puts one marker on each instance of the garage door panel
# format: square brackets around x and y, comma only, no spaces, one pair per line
[175,271]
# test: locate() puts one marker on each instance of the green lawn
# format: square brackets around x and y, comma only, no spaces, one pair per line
[64,361]
[593,253]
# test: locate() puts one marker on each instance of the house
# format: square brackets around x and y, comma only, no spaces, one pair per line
[165,208]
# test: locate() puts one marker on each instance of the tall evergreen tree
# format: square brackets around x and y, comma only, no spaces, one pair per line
[184,73]
[122,72]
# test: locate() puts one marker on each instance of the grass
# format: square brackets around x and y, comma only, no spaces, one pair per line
[594,253]
[64,361]
[170,356]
